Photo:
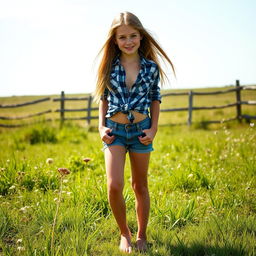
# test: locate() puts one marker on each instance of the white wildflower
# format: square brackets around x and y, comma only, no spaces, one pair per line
[190,175]
[21,249]
[24,209]
[252,124]
[19,241]
[49,160]
[228,139]
[227,132]
[12,187]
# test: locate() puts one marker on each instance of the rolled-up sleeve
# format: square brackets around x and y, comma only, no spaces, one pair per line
[155,89]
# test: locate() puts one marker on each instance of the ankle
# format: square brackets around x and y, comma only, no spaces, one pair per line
[141,237]
[126,233]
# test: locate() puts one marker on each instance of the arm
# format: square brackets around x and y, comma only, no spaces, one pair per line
[154,113]
[103,108]
[151,132]
[103,130]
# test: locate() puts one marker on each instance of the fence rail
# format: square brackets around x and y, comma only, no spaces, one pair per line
[26,116]
[89,109]
[238,103]
[25,104]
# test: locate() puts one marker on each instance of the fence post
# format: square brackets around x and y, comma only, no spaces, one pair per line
[190,107]
[62,107]
[89,105]
[238,102]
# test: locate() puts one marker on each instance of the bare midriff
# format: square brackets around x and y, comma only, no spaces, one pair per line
[122,118]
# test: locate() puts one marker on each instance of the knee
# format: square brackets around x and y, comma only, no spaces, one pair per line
[115,188]
[140,188]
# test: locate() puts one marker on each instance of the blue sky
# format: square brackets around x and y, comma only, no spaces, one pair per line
[50,45]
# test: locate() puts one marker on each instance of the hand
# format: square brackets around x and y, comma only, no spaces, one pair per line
[105,134]
[148,136]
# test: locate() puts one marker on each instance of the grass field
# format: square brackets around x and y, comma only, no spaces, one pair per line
[202,187]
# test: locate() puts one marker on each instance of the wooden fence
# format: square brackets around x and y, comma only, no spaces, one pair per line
[89,109]
[239,116]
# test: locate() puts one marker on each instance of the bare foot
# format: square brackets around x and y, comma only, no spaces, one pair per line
[125,244]
[141,244]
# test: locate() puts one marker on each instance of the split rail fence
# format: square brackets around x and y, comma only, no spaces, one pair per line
[89,108]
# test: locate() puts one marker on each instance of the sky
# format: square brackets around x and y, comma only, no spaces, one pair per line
[49,46]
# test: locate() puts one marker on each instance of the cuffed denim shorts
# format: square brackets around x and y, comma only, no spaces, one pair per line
[126,135]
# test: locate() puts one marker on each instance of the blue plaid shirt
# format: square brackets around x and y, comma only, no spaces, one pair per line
[139,97]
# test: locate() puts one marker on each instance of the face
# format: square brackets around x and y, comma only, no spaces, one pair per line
[128,39]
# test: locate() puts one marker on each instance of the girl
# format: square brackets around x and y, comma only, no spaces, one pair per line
[127,87]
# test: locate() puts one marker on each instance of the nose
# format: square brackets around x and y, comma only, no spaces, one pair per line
[129,40]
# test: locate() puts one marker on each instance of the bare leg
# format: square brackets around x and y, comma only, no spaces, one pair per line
[139,165]
[115,161]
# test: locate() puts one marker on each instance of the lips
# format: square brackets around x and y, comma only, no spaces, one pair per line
[129,48]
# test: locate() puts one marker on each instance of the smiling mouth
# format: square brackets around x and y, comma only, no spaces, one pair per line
[129,48]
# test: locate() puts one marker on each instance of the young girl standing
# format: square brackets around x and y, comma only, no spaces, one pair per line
[127,90]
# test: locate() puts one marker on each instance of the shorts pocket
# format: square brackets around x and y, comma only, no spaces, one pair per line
[145,125]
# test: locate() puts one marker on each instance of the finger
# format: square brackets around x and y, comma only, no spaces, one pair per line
[144,142]
[106,138]
[109,139]
[143,139]
[112,139]
[108,135]
[109,132]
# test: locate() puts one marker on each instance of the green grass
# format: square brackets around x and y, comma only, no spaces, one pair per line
[202,186]
[201,179]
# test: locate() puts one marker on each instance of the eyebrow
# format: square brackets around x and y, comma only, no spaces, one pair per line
[128,34]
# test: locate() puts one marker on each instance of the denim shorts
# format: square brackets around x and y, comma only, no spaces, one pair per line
[126,135]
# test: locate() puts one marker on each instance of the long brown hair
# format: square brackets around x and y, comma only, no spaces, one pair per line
[149,48]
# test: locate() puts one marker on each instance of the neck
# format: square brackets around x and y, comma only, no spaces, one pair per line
[130,58]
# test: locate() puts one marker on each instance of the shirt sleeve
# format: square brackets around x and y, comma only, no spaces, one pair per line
[105,94]
[155,89]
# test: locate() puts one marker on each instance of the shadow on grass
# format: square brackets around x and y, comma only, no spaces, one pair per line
[196,249]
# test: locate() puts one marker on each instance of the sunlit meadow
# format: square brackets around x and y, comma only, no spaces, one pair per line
[202,187]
